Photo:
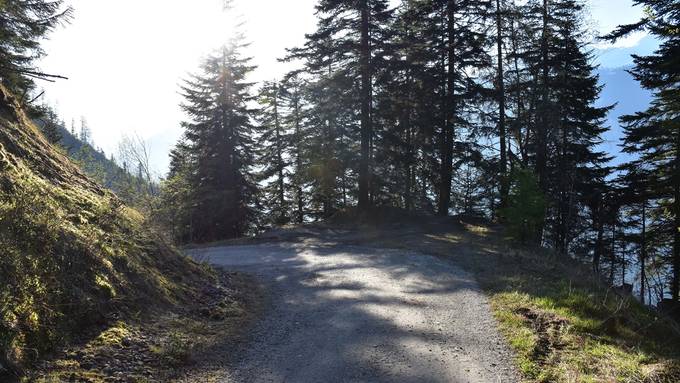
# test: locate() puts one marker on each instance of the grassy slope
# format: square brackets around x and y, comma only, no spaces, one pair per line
[72,255]
[564,324]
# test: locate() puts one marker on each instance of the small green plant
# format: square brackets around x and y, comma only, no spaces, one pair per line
[175,350]
[526,206]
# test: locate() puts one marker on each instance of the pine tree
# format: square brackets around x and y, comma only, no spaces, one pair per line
[219,135]
[176,194]
[349,37]
[576,173]
[23,24]
[500,96]
[273,153]
[654,134]
[457,31]
[293,100]
[51,126]
[85,131]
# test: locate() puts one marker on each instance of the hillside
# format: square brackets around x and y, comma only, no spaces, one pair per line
[93,162]
[74,257]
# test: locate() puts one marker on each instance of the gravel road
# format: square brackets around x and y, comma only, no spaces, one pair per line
[342,313]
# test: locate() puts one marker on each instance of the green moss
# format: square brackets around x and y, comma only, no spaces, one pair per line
[114,335]
[72,254]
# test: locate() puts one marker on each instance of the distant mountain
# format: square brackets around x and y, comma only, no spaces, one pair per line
[620,88]
[618,57]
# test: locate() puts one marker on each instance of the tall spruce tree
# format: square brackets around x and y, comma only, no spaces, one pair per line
[292,96]
[349,37]
[23,24]
[500,12]
[219,135]
[654,134]
[273,153]
[577,171]
[458,32]
[176,194]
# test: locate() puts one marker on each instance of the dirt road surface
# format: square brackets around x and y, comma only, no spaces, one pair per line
[347,313]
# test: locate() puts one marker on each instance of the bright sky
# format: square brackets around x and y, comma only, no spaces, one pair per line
[126,58]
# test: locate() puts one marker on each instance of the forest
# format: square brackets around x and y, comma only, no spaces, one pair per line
[477,107]
[482,109]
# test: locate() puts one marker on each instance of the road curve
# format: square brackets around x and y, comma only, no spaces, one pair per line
[342,313]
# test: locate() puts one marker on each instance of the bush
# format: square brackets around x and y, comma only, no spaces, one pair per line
[525,212]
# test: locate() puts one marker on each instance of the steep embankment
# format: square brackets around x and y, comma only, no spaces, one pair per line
[71,254]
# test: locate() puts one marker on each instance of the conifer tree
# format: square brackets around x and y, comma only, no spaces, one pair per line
[273,153]
[176,194]
[219,135]
[23,24]
[576,173]
[501,98]
[349,37]
[654,134]
[51,126]
[295,121]
[458,33]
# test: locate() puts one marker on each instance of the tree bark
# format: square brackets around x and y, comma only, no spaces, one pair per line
[450,107]
[675,284]
[643,252]
[501,108]
[366,127]
[279,158]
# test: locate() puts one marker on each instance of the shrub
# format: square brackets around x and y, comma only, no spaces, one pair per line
[525,212]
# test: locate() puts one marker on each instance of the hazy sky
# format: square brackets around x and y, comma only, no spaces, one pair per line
[126,58]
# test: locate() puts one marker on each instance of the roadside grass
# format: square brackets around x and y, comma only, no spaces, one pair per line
[563,323]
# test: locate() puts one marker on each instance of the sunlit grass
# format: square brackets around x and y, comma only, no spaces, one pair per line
[563,324]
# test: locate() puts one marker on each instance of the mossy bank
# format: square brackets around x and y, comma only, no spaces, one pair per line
[72,256]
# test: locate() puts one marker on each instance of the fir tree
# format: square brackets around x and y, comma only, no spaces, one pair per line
[23,24]
[273,153]
[576,173]
[654,134]
[293,100]
[219,135]
[458,34]
[350,35]
[51,126]
[85,134]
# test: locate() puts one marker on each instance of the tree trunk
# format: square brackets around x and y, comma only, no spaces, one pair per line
[612,264]
[501,108]
[279,158]
[541,134]
[449,110]
[298,160]
[597,256]
[675,284]
[366,128]
[643,252]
